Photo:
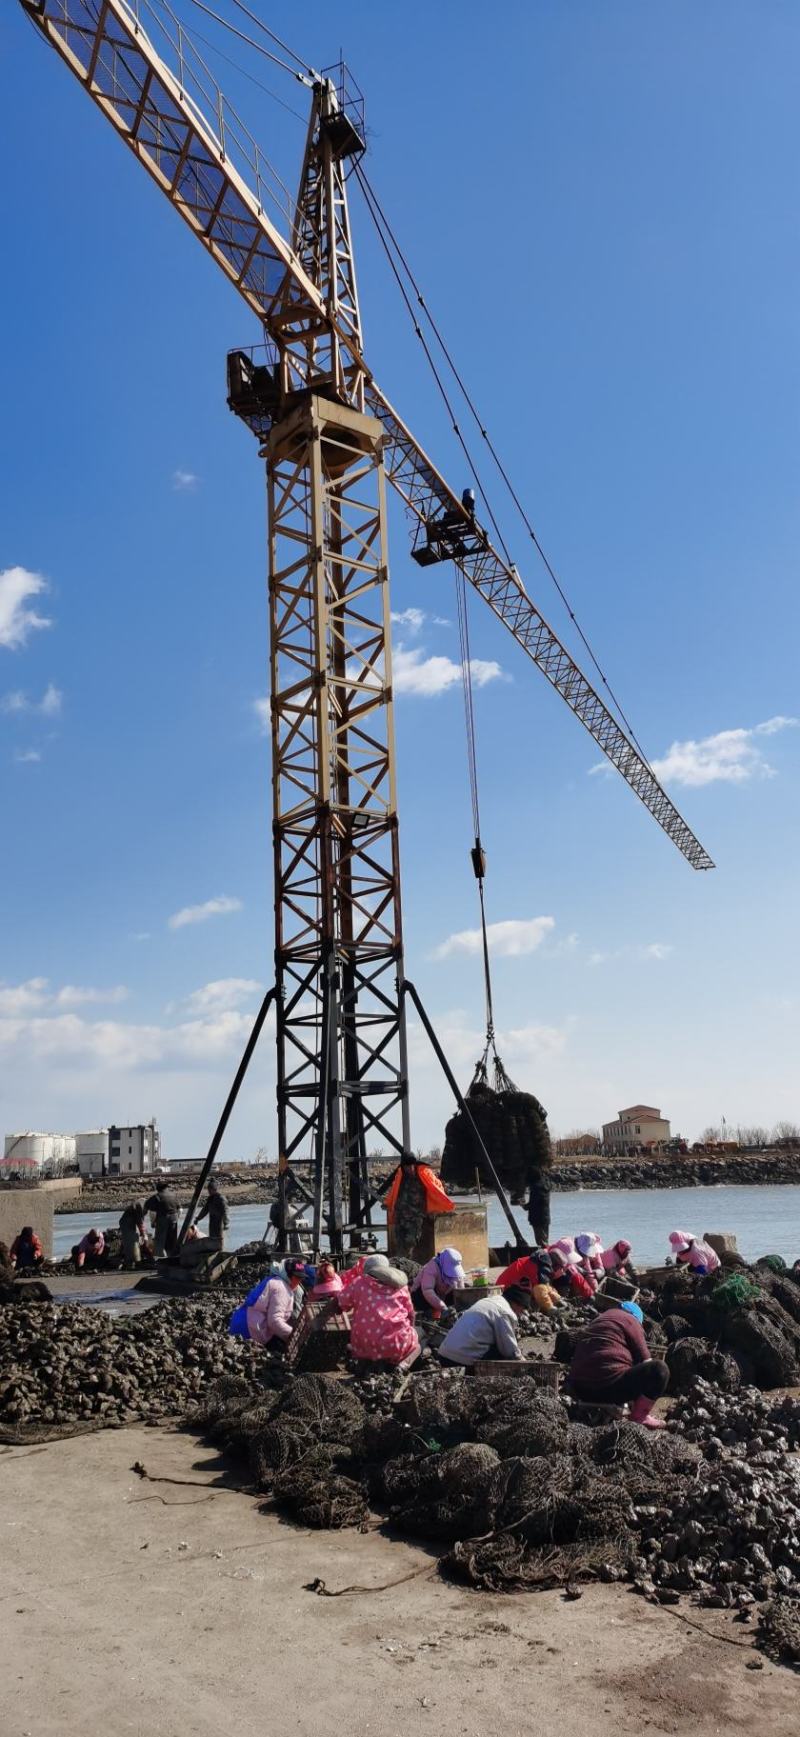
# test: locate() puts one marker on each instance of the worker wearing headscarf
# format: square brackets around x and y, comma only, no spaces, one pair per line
[327,1282]
[535,1272]
[616,1259]
[568,1280]
[267,1314]
[435,1283]
[589,1250]
[381,1314]
[611,1365]
[691,1251]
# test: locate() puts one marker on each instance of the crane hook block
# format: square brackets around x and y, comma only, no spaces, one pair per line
[478,856]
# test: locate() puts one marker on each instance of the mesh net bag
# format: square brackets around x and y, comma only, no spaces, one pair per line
[513,1128]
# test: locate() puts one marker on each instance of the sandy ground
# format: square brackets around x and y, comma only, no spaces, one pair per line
[151,1609]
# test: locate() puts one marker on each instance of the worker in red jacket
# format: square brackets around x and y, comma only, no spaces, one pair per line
[26,1251]
[611,1365]
[568,1279]
[534,1271]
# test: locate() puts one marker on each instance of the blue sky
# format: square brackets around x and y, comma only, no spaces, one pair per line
[600,204]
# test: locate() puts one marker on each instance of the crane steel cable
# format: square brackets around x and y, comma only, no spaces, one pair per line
[259,22]
[197,36]
[370,195]
[431,363]
[251,42]
[477,852]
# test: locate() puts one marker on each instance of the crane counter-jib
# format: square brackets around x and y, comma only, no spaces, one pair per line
[194,161]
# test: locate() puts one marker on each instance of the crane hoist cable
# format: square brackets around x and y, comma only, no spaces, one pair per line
[390,242]
[477,853]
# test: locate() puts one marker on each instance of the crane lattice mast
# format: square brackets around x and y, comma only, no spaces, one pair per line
[331,441]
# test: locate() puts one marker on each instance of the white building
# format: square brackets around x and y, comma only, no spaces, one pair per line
[640,1125]
[118,1151]
[135,1150]
[45,1154]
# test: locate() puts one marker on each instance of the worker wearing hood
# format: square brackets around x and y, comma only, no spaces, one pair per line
[267,1314]
[616,1259]
[691,1251]
[589,1250]
[381,1314]
[435,1283]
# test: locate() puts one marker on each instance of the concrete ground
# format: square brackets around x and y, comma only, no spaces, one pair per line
[138,1608]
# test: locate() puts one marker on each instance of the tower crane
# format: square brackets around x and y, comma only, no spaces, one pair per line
[331,441]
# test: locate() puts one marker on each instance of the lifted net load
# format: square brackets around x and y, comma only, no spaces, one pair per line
[513,1127]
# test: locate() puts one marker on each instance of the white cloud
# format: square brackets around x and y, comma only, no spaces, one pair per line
[414,673]
[522,1047]
[643,954]
[73,995]
[36,996]
[413,619]
[67,1039]
[219,907]
[18,998]
[184,481]
[509,940]
[140,935]
[730,757]
[27,756]
[17,621]
[774,725]
[50,702]
[222,995]
[262,709]
[48,705]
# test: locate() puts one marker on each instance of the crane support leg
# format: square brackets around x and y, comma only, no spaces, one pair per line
[338,940]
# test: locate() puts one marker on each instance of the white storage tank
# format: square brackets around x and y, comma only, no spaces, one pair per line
[38,1153]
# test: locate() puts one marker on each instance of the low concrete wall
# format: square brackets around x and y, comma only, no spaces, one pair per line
[62,1186]
[20,1206]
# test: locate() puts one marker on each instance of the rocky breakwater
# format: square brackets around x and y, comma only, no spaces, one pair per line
[742,1170]
[66,1368]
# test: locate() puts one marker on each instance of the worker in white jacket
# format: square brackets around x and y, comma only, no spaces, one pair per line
[488,1329]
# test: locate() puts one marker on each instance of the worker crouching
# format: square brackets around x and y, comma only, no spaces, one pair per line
[381,1314]
[611,1365]
[488,1329]
[267,1314]
[433,1288]
[534,1271]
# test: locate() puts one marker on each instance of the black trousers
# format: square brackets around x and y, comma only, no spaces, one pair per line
[642,1381]
[539,1214]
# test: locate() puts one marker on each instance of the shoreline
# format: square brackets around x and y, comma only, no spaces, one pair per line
[568,1176]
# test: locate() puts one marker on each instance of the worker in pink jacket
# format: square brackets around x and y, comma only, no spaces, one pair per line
[267,1314]
[382,1314]
[433,1287]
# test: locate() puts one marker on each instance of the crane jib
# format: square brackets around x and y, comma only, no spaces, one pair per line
[207,170]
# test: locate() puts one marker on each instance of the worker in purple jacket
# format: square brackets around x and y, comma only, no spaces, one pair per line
[611,1365]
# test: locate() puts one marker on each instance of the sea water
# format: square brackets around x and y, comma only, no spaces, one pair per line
[764,1220]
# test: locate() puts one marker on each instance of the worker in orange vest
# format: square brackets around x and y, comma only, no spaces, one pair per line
[413,1194]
